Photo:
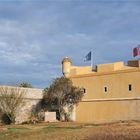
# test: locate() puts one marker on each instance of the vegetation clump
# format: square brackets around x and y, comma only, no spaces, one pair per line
[62,96]
[25,85]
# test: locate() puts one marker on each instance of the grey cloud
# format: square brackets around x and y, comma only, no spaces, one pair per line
[35,36]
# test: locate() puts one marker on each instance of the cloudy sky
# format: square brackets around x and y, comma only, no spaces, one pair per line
[35,35]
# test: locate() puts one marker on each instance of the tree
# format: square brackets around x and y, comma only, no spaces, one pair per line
[62,94]
[46,89]
[11,99]
[25,85]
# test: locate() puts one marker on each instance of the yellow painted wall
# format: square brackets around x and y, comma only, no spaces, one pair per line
[110,67]
[80,70]
[117,84]
[118,103]
[108,111]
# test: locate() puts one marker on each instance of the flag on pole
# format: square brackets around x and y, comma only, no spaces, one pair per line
[136,51]
[88,57]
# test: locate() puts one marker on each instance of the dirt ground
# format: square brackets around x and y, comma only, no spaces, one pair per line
[71,131]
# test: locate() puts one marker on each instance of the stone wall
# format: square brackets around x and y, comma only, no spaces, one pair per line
[32,100]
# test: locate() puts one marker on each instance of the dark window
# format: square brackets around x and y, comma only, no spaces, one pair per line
[84,90]
[105,89]
[130,87]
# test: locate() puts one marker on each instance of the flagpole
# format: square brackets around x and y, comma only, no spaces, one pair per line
[92,59]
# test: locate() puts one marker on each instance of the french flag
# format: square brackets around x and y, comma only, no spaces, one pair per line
[136,51]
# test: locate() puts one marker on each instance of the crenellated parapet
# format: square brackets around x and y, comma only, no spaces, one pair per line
[69,70]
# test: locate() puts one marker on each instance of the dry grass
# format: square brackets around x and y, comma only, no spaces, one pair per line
[71,131]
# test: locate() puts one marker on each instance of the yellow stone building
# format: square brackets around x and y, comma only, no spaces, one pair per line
[112,91]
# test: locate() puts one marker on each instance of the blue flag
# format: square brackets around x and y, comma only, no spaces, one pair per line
[88,57]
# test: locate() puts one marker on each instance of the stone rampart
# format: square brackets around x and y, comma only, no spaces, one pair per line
[32,98]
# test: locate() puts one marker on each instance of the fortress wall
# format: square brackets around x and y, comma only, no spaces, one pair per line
[108,111]
[112,91]
[24,112]
[116,104]
[80,70]
[32,100]
[117,85]
[110,67]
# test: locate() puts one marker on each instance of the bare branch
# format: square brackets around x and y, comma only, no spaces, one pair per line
[11,99]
